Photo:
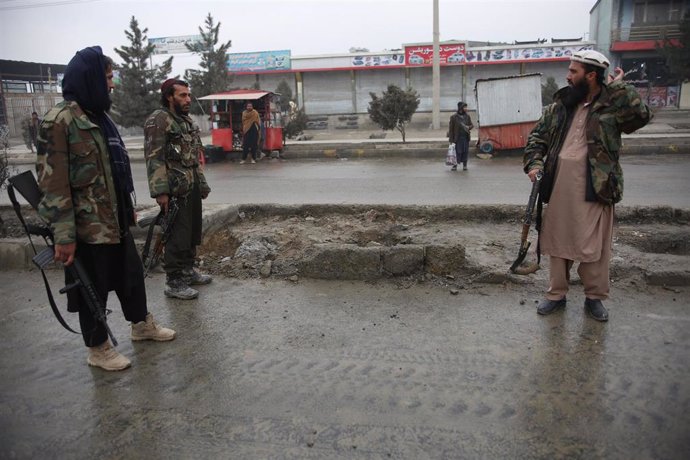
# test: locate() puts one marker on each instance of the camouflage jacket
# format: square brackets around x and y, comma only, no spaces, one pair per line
[172,148]
[74,174]
[617,109]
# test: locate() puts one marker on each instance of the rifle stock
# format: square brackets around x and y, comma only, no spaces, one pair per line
[527,223]
[25,183]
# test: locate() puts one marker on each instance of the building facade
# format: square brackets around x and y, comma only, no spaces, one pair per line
[27,87]
[335,89]
[631,33]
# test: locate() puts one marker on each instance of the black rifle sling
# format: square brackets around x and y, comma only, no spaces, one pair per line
[49,292]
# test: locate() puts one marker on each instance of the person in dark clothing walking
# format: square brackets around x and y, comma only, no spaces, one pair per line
[459,134]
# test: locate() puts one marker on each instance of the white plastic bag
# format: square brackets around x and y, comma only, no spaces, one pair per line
[451,157]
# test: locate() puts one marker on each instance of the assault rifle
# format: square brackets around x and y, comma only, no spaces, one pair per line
[26,185]
[166,222]
[526,224]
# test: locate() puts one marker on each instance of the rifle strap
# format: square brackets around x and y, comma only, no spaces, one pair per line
[49,292]
[53,306]
[18,211]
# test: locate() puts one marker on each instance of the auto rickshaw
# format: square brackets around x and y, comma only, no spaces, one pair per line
[226,120]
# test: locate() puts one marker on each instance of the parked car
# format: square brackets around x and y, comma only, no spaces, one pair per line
[456,57]
[414,59]
[537,53]
[497,55]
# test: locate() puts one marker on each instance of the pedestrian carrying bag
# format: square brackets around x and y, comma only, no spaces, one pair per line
[451,157]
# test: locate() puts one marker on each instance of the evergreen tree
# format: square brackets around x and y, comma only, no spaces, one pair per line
[394,109]
[213,77]
[296,125]
[285,95]
[138,94]
[678,56]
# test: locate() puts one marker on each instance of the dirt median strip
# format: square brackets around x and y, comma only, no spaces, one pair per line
[472,243]
[469,243]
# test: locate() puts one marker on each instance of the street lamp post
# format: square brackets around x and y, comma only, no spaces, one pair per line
[436,76]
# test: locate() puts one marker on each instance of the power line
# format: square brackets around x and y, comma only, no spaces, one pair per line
[42,5]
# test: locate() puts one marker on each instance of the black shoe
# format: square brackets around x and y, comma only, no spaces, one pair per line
[454,168]
[596,309]
[546,307]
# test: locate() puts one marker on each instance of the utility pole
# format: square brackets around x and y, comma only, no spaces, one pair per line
[436,76]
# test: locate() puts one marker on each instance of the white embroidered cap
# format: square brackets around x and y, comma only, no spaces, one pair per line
[591,57]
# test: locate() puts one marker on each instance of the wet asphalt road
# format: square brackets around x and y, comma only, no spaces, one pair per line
[649,180]
[353,370]
[271,369]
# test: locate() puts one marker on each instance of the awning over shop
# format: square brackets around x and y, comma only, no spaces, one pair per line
[237,95]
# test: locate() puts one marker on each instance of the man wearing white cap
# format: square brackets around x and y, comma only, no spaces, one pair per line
[576,146]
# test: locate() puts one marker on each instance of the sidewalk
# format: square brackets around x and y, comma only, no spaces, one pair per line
[669,132]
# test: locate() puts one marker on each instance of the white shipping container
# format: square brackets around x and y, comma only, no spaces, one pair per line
[508,100]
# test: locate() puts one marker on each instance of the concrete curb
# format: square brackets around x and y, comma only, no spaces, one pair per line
[435,149]
[16,253]
[470,213]
[350,261]
[635,145]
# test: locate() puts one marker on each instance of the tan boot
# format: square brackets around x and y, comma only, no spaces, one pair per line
[106,357]
[149,330]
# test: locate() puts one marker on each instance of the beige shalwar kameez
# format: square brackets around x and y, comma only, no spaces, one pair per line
[575,229]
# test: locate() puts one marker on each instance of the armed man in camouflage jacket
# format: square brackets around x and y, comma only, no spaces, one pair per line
[576,144]
[172,149]
[84,174]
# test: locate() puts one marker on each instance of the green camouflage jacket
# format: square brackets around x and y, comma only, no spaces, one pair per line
[617,109]
[172,148]
[74,174]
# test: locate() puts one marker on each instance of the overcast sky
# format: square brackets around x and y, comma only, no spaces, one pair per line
[51,31]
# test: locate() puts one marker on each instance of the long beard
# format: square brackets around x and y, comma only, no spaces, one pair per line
[576,94]
[180,110]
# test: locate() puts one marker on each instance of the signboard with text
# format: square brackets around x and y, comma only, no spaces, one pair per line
[173,45]
[454,54]
[383,60]
[539,53]
[259,61]
[422,55]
